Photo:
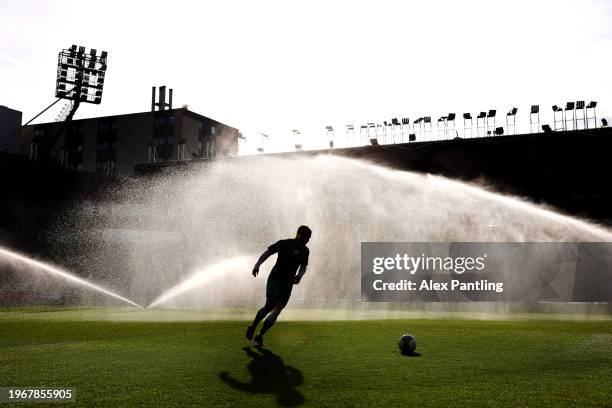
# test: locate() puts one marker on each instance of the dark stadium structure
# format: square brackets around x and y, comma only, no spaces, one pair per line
[565,170]
[568,170]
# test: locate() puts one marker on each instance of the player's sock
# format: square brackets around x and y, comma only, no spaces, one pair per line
[249,332]
[269,322]
[261,313]
[259,340]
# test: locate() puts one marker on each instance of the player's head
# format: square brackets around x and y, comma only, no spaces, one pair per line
[303,234]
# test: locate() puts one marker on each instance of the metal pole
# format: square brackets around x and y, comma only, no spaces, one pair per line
[28,122]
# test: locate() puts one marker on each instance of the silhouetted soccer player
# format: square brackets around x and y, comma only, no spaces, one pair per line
[292,254]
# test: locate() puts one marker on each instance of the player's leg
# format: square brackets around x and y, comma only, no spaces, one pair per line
[261,314]
[271,319]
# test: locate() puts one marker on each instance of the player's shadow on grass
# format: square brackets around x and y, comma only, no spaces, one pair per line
[269,375]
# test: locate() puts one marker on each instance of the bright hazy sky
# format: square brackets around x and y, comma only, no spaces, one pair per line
[273,66]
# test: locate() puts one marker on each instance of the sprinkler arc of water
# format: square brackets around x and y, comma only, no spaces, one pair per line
[62,274]
[200,277]
[513,202]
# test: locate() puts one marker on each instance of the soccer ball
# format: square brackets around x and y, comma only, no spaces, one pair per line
[407,344]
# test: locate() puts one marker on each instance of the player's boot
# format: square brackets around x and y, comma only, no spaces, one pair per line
[249,332]
[259,340]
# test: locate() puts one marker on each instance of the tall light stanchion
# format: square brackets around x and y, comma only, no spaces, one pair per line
[591,106]
[395,124]
[427,127]
[558,111]
[350,134]
[363,135]
[381,132]
[260,148]
[466,117]
[405,127]
[297,139]
[441,126]
[371,132]
[388,131]
[330,135]
[511,120]
[80,79]
[418,122]
[534,119]
[491,126]
[582,118]
[569,109]
[450,125]
[481,124]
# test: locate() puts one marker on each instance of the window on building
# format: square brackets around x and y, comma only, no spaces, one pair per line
[106,144]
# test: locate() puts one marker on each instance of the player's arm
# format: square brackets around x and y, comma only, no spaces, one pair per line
[302,268]
[261,260]
[301,272]
[272,249]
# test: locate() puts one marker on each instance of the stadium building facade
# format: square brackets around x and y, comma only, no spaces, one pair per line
[113,145]
[10,121]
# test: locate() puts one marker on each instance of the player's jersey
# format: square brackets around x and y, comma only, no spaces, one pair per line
[290,257]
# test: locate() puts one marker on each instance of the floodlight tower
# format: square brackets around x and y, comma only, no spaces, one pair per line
[80,79]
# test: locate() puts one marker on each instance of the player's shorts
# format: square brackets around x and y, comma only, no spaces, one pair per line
[279,291]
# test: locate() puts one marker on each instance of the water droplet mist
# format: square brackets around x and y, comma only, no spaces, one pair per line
[190,239]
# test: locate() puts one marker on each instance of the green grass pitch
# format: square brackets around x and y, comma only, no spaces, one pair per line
[310,363]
